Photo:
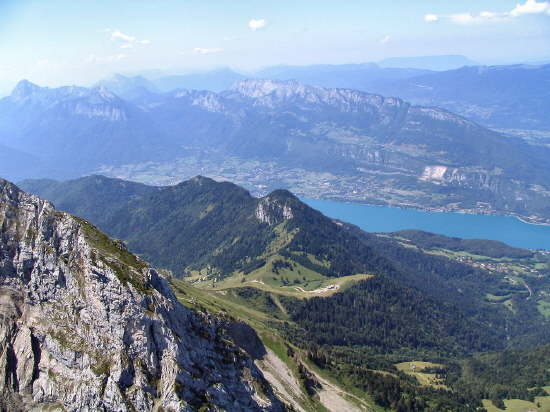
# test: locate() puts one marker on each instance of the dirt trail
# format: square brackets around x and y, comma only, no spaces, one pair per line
[325,289]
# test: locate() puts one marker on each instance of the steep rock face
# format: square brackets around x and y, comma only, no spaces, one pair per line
[85,325]
[274,209]
[469,177]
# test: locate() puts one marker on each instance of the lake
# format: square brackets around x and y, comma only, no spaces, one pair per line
[507,229]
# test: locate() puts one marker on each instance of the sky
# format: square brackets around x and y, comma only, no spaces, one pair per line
[56,42]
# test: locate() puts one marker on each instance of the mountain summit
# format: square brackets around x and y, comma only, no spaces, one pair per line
[134,89]
[24,89]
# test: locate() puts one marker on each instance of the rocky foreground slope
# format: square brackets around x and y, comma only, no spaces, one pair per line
[85,325]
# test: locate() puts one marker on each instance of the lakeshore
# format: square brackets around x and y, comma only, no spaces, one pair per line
[512,230]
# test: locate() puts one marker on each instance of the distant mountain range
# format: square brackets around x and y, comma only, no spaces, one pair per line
[331,75]
[70,130]
[438,63]
[215,80]
[515,97]
[425,155]
[356,76]
[512,96]
[363,77]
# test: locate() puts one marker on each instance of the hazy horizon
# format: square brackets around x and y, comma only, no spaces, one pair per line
[62,42]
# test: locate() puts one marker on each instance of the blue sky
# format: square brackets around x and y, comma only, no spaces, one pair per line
[64,42]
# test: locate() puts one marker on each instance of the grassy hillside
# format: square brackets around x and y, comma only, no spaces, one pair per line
[202,226]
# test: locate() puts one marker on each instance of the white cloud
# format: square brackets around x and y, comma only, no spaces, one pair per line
[529,7]
[92,58]
[201,50]
[483,17]
[125,40]
[463,18]
[257,24]
[385,39]
[430,18]
[118,35]
[468,18]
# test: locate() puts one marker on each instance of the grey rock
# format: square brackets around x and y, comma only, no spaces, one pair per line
[273,211]
[87,326]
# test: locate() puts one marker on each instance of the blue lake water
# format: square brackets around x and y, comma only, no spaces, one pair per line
[387,219]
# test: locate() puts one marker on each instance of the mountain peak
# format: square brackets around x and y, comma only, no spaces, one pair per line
[3,184]
[12,195]
[282,194]
[24,89]
[201,180]
[105,93]
[119,77]
[127,87]
[7,190]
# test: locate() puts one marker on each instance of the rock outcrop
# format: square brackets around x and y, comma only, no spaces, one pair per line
[86,326]
[273,209]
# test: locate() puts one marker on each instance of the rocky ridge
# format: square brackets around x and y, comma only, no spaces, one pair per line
[95,102]
[85,325]
[271,94]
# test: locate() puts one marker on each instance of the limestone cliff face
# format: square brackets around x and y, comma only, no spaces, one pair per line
[471,177]
[86,326]
[274,209]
